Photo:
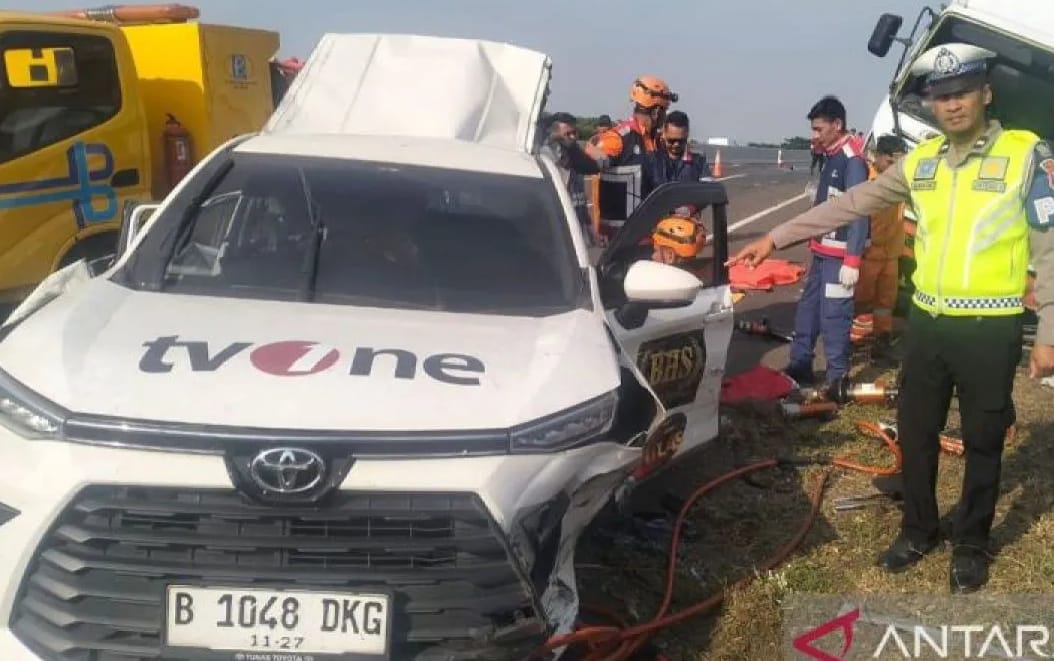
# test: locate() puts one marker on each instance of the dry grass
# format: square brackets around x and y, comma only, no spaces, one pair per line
[741,526]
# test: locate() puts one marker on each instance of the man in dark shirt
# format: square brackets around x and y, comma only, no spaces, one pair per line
[673,161]
[575,160]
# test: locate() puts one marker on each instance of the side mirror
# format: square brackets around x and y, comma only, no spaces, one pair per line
[660,285]
[650,285]
[884,34]
[135,217]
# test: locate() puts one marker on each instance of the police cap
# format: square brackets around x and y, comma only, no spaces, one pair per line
[953,68]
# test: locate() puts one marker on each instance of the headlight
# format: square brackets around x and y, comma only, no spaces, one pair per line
[568,428]
[26,413]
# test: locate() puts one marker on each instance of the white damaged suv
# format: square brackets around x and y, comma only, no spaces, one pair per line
[353,390]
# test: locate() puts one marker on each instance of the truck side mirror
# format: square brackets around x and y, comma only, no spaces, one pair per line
[884,34]
[135,216]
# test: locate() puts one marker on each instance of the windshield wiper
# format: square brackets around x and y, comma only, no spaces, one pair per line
[184,229]
[314,249]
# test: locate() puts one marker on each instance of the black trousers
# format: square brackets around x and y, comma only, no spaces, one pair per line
[977,357]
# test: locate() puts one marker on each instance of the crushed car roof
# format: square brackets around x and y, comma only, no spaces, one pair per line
[469,90]
[398,150]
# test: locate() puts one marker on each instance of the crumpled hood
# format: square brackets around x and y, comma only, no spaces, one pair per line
[111,351]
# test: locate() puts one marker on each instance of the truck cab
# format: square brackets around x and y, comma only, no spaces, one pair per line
[1022,76]
[86,107]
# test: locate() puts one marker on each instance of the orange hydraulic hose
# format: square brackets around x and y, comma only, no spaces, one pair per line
[170,13]
[874,430]
[619,643]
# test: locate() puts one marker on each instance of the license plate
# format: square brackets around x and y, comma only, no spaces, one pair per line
[277,623]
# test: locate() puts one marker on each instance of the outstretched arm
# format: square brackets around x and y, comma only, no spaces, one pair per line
[890,188]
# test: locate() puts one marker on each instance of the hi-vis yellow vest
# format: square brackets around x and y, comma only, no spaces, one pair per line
[971,243]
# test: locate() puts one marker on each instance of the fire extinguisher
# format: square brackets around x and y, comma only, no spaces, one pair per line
[179,156]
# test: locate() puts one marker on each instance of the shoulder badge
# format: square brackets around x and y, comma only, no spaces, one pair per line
[926,169]
[994,167]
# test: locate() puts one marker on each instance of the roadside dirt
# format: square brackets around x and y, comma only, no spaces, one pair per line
[622,558]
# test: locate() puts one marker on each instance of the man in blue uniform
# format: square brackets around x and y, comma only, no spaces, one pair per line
[826,305]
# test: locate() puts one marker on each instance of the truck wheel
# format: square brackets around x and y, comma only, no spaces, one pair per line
[92,248]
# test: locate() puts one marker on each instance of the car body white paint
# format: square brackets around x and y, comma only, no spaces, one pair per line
[80,344]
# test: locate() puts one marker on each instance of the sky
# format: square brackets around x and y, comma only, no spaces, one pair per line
[748,70]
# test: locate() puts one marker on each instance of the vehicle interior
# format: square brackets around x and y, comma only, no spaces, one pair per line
[1022,78]
[709,198]
[388,236]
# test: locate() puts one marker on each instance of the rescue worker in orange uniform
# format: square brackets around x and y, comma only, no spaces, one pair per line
[627,142]
[679,241]
[876,291]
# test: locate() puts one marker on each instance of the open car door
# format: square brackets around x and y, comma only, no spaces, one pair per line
[680,350]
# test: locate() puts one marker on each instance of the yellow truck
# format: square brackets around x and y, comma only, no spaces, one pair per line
[101,109]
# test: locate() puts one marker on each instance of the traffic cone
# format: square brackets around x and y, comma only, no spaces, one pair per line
[717,171]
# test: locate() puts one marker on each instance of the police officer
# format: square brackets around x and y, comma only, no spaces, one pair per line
[984,198]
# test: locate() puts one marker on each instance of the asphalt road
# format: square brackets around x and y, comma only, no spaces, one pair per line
[754,192]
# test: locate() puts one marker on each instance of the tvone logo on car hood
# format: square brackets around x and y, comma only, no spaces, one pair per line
[304,358]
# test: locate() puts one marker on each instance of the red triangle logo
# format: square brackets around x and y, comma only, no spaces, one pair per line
[803,643]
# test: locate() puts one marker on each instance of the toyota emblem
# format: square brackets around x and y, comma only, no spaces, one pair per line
[287,470]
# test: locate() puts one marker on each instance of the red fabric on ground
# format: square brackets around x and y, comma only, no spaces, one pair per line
[767,275]
[760,383]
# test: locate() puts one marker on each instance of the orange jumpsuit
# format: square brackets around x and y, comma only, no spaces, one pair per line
[876,291]
[626,143]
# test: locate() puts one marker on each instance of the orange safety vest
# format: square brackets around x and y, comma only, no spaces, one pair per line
[910,227]
[626,143]
[886,230]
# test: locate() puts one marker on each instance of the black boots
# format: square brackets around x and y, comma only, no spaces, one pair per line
[967,572]
[969,569]
[902,554]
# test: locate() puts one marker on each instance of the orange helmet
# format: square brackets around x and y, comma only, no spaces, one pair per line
[649,91]
[683,235]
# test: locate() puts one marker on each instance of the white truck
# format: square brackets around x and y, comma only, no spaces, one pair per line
[353,390]
[1021,33]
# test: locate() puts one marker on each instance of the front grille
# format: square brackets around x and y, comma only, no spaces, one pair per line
[95,588]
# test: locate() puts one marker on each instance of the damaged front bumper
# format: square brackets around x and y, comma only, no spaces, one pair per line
[479,558]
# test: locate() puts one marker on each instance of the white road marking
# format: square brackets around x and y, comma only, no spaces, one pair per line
[762,214]
[731,176]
